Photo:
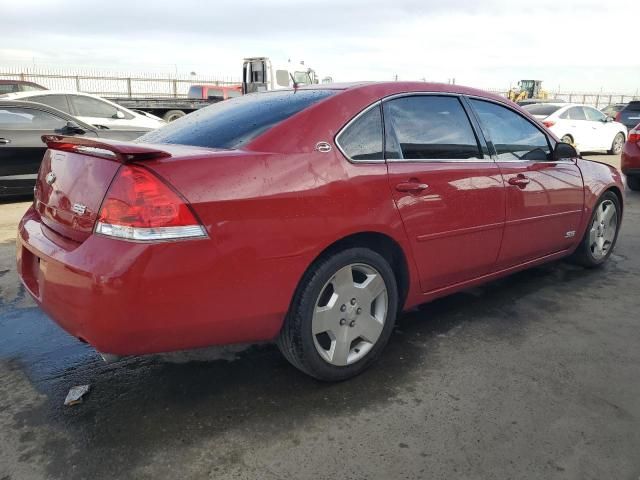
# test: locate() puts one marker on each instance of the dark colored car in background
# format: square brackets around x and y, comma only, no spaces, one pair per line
[11,86]
[613,109]
[630,161]
[22,125]
[629,116]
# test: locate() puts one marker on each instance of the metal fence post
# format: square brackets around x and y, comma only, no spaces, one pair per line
[78,84]
[129,87]
[175,87]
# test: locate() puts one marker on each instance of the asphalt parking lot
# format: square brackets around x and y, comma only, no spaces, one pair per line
[533,376]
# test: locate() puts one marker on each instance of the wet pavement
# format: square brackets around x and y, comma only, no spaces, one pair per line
[533,376]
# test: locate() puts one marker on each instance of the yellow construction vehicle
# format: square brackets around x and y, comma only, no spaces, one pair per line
[527,89]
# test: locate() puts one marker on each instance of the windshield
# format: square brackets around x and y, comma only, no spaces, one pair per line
[235,122]
[542,109]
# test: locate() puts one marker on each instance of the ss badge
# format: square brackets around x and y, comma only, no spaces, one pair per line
[570,234]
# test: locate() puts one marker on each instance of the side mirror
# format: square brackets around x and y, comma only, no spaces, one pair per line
[118,114]
[73,127]
[564,151]
[608,119]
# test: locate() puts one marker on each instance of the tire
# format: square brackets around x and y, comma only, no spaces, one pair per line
[633,183]
[567,139]
[588,252]
[617,144]
[172,115]
[324,300]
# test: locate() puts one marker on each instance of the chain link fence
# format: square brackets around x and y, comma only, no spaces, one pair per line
[598,100]
[148,84]
[112,84]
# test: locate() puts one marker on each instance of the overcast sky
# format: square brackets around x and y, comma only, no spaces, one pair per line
[576,45]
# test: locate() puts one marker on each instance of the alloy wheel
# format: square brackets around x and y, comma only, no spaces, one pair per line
[349,314]
[603,229]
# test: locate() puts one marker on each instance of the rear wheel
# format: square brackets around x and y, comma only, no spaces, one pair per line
[342,315]
[172,115]
[633,182]
[618,143]
[601,235]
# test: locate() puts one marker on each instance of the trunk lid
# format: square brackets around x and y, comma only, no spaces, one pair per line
[74,177]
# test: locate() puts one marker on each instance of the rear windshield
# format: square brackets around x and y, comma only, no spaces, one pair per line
[633,106]
[542,109]
[235,122]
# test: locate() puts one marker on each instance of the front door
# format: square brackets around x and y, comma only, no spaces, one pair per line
[449,193]
[544,197]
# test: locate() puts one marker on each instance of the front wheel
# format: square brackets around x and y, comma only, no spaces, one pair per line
[618,143]
[342,315]
[601,235]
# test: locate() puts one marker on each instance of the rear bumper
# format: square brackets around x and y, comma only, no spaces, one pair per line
[630,159]
[128,298]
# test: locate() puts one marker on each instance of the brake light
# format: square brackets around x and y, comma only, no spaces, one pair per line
[139,206]
[634,135]
[548,123]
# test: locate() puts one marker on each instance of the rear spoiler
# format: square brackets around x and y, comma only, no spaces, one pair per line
[123,152]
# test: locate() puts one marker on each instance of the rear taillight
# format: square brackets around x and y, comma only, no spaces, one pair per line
[634,135]
[548,123]
[139,206]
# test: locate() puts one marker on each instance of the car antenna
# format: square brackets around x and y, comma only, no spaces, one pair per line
[295,84]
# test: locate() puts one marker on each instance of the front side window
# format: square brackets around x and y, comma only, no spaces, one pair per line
[237,121]
[28,119]
[55,101]
[362,139]
[574,113]
[8,88]
[594,115]
[92,107]
[513,136]
[428,127]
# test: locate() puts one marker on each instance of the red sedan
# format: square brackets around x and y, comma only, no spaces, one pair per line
[311,216]
[630,160]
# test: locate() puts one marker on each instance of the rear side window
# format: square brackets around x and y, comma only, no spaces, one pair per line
[428,128]
[235,122]
[513,136]
[55,101]
[362,139]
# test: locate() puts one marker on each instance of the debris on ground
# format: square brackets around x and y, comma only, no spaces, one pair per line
[74,397]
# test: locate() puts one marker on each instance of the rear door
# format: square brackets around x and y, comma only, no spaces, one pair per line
[544,197]
[448,191]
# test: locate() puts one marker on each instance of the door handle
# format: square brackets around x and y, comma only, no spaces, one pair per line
[411,186]
[519,181]
[4,141]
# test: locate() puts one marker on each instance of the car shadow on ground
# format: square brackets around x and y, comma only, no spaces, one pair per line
[185,397]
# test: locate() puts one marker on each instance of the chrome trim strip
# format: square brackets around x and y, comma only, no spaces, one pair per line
[336,139]
[438,160]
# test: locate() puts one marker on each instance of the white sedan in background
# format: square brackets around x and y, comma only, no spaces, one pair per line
[90,109]
[583,126]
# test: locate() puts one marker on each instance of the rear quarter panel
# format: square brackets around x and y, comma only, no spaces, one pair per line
[269,216]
